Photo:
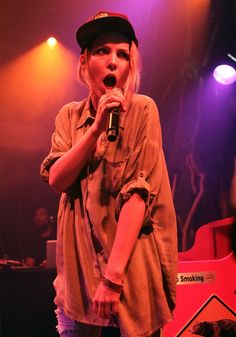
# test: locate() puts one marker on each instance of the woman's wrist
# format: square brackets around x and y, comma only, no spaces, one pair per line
[116,287]
[95,132]
[114,274]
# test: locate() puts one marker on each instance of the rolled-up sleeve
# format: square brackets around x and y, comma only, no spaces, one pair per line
[144,168]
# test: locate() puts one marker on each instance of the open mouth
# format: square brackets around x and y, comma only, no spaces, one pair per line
[109,81]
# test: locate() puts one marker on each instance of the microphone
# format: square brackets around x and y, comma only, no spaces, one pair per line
[113,124]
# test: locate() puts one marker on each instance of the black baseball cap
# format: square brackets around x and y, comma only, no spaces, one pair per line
[103,22]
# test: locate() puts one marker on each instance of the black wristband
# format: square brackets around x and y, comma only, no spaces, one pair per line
[111,285]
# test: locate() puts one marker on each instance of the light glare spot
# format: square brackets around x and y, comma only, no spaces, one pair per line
[52,42]
[225,74]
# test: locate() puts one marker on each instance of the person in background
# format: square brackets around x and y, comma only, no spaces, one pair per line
[43,229]
[116,238]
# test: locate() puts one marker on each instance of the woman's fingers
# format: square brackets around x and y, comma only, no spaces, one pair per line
[106,309]
[117,95]
[112,98]
[114,308]
[103,309]
[105,302]
[95,307]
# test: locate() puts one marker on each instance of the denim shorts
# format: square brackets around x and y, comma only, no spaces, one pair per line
[67,327]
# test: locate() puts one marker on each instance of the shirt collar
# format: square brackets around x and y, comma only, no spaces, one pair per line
[87,115]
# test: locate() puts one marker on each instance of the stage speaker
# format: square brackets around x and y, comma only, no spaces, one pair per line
[26,303]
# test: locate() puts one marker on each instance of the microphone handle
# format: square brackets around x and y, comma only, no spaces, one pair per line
[113,124]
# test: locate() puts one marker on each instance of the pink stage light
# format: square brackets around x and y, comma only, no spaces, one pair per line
[225,74]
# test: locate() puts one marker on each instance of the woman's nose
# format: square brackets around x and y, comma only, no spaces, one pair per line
[112,63]
[112,66]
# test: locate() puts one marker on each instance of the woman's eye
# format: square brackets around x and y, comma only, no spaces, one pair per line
[123,55]
[101,51]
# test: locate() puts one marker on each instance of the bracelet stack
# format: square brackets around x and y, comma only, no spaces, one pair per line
[111,285]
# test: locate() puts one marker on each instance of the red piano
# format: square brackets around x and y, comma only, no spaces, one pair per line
[206,282]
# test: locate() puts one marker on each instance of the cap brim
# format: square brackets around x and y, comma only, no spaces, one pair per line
[88,31]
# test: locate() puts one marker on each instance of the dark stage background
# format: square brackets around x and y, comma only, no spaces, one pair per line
[181,41]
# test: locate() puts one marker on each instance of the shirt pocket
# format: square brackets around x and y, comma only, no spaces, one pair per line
[114,164]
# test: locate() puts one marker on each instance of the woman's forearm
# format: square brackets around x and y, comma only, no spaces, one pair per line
[129,225]
[67,168]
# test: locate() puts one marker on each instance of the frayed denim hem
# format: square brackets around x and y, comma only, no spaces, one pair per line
[67,327]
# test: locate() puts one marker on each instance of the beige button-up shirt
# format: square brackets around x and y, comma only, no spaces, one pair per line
[88,214]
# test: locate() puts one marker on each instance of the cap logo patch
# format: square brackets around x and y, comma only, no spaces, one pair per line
[101,15]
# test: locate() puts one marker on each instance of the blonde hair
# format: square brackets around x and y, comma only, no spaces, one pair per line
[133,80]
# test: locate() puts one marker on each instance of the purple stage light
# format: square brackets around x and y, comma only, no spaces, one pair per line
[225,74]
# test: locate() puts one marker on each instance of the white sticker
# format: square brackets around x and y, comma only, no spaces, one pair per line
[196,278]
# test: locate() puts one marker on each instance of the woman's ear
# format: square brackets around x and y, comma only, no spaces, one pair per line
[82,60]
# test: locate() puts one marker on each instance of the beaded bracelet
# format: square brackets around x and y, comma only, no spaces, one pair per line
[111,285]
